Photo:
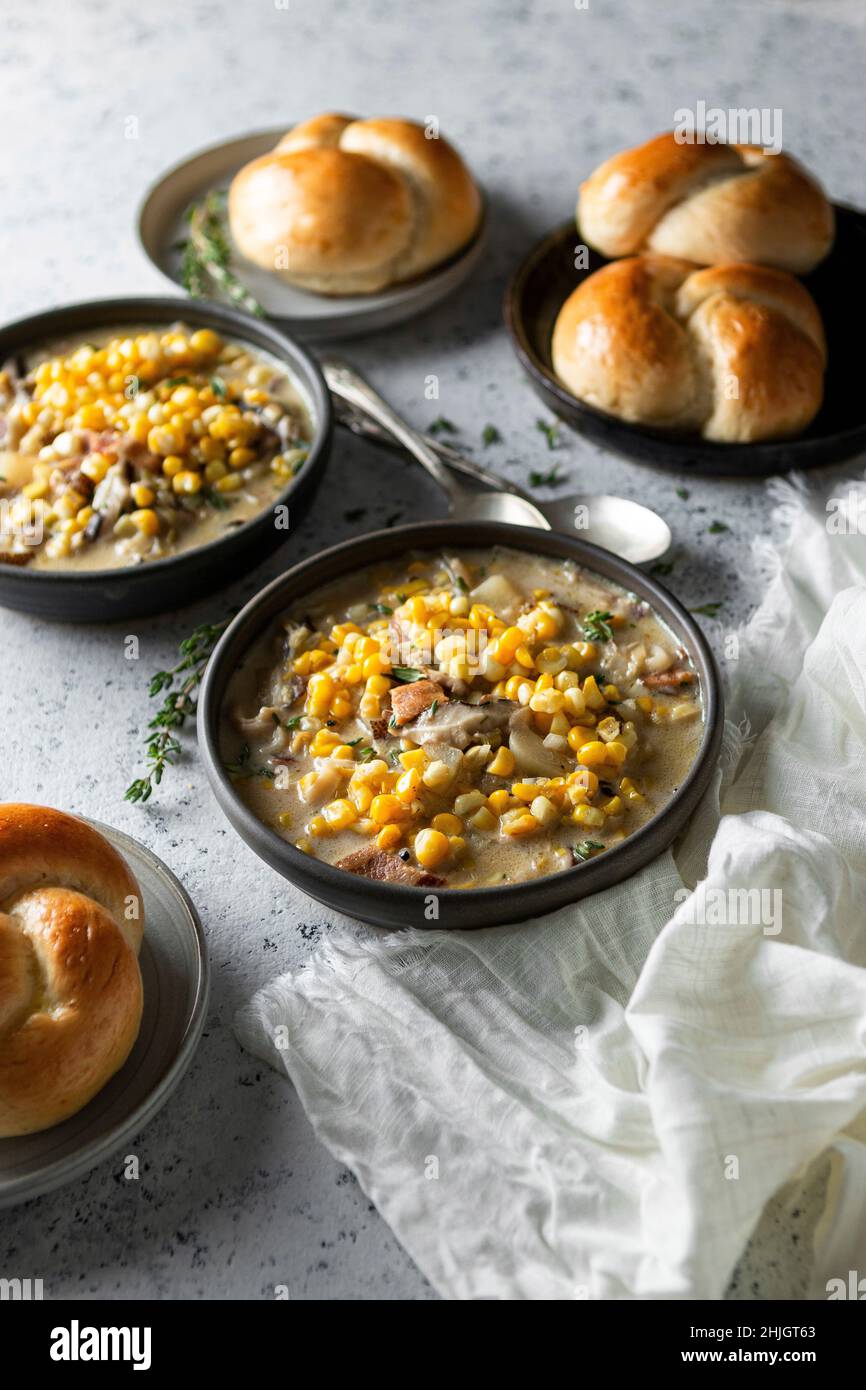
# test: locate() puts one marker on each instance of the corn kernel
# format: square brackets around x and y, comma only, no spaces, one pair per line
[613,806]
[362,796]
[525,791]
[146,521]
[438,776]
[340,814]
[231,483]
[483,819]
[544,811]
[588,816]
[431,847]
[142,496]
[502,764]
[547,701]
[498,802]
[630,791]
[469,802]
[172,465]
[448,823]
[318,827]
[385,807]
[595,752]
[592,695]
[414,757]
[389,837]
[206,341]
[186,482]
[523,824]
[551,661]
[95,466]
[407,785]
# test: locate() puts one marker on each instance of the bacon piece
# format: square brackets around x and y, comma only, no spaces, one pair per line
[371,862]
[408,701]
[9,557]
[670,680]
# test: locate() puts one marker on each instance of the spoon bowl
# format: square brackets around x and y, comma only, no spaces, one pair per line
[619,524]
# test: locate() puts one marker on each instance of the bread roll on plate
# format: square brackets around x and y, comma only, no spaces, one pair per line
[736,352]
[71,922]
[344,206]
[707,203]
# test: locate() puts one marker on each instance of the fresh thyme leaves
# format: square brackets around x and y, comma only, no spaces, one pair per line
[490,435]
[707,610]
[206,256]
[683,493]
[433,708]
[549,479]
[243,770]
[550,432]
[365,754]
[596,626]
[585,850]
[217,500]
[218,386]
[717,527]
[163,747]
[353,743]
[382,609]
[441,425]
[407,674]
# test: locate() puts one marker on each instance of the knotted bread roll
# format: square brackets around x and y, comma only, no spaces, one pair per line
[708,204]
[343,206]
[71,921]
[735,351]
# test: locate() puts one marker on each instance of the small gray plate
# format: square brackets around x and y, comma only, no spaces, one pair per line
[310,317]
[175,973]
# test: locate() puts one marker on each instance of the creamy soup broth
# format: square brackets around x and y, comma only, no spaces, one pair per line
[469,720]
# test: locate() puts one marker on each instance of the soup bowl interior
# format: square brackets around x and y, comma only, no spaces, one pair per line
[68,595]
[396,905]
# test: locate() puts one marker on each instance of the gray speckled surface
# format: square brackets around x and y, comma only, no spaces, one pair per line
[236,1196]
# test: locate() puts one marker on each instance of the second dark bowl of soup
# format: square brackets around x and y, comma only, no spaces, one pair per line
[151,450]
[550,735]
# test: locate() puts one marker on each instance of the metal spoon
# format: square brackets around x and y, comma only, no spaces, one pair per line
[618,524]
[465,504]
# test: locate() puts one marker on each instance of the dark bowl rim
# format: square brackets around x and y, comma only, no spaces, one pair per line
[282,345]
[545,378]
[429,536]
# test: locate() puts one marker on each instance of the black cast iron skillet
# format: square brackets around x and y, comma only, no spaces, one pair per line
[391,905]
[158,585]
[545,279]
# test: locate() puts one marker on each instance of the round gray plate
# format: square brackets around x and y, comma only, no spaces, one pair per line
[311,317]
[175,973]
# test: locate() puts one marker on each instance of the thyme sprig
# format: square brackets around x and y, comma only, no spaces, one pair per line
[206,256]
[163,746]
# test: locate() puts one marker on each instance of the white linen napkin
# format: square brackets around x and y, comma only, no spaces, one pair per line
[599,1103]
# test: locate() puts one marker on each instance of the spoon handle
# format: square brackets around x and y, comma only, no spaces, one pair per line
[346,384]
[366,428]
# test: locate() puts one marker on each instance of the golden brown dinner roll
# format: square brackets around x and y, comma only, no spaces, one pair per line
[71,921]
[734,351]
[343,206]
[707,203]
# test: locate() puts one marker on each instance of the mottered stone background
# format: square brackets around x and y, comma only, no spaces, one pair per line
[236,1195]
